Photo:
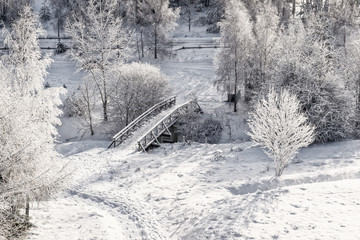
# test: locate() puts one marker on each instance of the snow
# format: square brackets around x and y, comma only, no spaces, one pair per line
[197,191]
[203,191]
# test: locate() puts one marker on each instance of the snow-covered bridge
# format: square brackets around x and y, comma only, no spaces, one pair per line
[160,131]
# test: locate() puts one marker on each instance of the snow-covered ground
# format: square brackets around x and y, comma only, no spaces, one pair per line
[197,191]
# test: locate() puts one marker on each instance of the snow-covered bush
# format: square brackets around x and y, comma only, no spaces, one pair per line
[278,125]
[137,88]
[328,107]
[60,48]
[199,129]
[11,226]
[73,106]
[213,29]
[210,131]
[308,67]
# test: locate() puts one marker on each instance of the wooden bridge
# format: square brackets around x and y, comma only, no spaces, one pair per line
[163,126]
[136,123]
[160,132]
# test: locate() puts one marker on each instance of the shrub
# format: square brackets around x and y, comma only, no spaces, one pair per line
[74,106]
[137,87]
[278,125]
[199,129]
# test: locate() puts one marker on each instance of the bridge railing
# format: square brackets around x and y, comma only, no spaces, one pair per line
[120,136]
[164,124]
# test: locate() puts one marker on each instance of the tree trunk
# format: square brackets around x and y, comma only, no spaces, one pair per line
[90,119]
[293,8]
[326,6]
[58,29]
[235,85]
[189,17]
[105,110]
[105,101]
[155,43]
[127,116]
[86,96]
[142,43]
[138,46]
[91,127]
[27,208]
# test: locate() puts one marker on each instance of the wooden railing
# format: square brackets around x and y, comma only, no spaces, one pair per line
[164,124]
[120,136]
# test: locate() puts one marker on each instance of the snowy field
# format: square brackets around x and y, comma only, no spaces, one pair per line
[197,191]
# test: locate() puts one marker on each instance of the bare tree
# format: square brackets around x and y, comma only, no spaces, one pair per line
[188,11]
[101,44]
[81,104]
[162,20]
[61,9]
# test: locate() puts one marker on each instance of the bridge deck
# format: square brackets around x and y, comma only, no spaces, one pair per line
[125,132]
[164,124]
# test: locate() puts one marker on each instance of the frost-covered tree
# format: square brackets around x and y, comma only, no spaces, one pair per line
[265,29]
[162,20]
[137,87]
[278,125]
[10,10]
[29,170]
[136,18]
[45,13]
[188,10]
[25,58]
[233,59]
[101,44]
[60,11]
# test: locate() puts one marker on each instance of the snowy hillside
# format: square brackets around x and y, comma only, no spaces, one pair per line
[223,191]
[190,189]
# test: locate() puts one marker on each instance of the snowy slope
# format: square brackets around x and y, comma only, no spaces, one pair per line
[223,191]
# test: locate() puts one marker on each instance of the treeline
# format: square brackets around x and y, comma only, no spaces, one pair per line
[308,47]
[150,21]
